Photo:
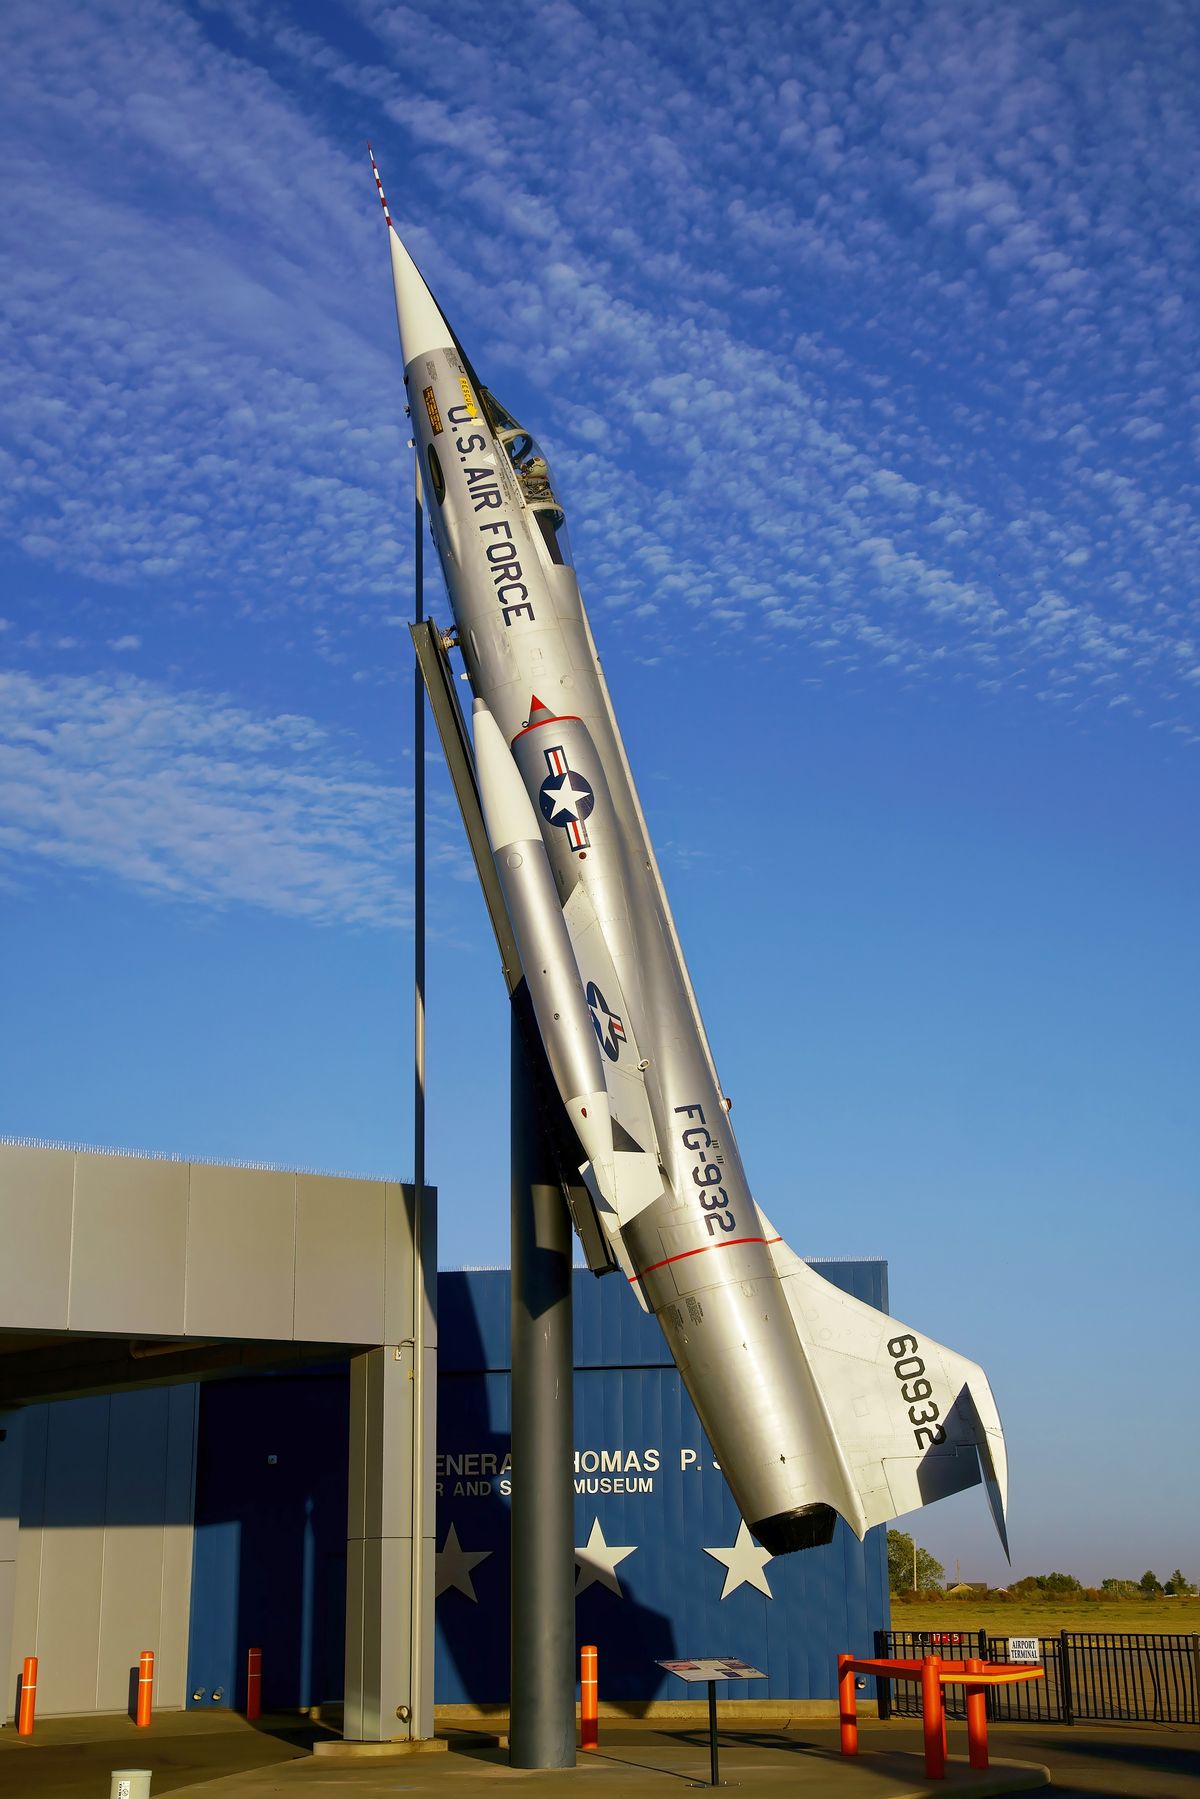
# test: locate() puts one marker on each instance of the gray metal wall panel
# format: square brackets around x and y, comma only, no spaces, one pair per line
[35,1229]
[397,1236]
[11,1437]
[398,1199]
[141,1247]
[129,1246]
[131,1581]
[357,1624]
[29,1556]
[104,1565]
[241,1256]
[340,1260]
[68,1634]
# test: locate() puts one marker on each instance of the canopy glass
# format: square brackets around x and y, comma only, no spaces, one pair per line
[533,476]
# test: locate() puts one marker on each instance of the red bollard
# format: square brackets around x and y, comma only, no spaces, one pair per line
[28,1696]
[934,1718]
[977,1745]
[589,1698]
[145,1694]
[848,1704]
[253,1684]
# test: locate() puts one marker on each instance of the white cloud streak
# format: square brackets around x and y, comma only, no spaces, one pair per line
[191,797]
[866,334]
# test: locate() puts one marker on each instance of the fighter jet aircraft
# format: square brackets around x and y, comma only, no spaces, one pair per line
[816,1405]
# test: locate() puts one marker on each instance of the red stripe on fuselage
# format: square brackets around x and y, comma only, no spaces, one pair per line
[703,1248]
[567,718]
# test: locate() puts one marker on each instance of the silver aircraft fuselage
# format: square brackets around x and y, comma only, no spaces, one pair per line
[755,1338]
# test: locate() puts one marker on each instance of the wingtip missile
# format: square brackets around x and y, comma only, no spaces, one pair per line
[551,972]
[507,808]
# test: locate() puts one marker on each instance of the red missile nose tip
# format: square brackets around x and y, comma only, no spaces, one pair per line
[536,705]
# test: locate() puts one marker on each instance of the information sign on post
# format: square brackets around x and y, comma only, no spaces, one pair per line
[1024,1649]
[710,1670]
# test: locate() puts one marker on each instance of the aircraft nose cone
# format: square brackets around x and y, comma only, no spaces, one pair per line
[422,327]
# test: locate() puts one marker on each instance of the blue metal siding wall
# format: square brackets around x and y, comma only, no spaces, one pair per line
[270,1538]
[269,1556]
[670,1603]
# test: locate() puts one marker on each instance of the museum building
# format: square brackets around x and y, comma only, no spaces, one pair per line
[204,1517]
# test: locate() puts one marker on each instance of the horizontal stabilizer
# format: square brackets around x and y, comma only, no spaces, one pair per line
[912,1420]
[625,1186]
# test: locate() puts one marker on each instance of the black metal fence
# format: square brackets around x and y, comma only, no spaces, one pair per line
[1136,1677]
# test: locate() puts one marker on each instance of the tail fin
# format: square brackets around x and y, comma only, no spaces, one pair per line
[914,1421]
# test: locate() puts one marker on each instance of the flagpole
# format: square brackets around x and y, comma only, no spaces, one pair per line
[420,1670]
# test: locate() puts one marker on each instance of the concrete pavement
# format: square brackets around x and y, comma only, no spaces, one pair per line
[219,1754]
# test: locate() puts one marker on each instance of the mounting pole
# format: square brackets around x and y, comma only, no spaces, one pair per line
[542,1650]
[541,1728]
[391,1512]
[420,1653]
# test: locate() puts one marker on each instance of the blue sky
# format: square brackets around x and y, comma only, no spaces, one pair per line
[863,338]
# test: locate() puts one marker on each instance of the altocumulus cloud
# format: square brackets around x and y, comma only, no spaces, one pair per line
[191,796]
[870,327]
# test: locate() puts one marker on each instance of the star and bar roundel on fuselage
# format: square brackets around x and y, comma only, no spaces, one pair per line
[565,797]
[608,1025]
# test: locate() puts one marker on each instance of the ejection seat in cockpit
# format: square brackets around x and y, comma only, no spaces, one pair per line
[533,477]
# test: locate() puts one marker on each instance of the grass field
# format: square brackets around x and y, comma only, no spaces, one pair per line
[1042,1619]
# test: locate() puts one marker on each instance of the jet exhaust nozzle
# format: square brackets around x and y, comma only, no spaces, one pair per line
[808,1527]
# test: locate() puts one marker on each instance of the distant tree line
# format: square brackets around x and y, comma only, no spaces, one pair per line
[912,1569]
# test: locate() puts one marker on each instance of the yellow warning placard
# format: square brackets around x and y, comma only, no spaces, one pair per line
[431,407]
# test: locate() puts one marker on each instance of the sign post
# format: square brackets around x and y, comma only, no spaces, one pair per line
[710,1671]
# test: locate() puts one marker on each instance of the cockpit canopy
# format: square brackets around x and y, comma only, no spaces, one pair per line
[533,476]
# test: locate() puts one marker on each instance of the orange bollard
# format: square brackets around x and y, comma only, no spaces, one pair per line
[253,1684]
[848,1704]
[145,1694]
[28,1703]
[934,1718]
[977,1745]
[589,1698]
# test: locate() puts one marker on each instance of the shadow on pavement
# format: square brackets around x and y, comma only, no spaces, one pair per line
[297,1733]
[612,1758]
[783,1741]
[477,1747]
